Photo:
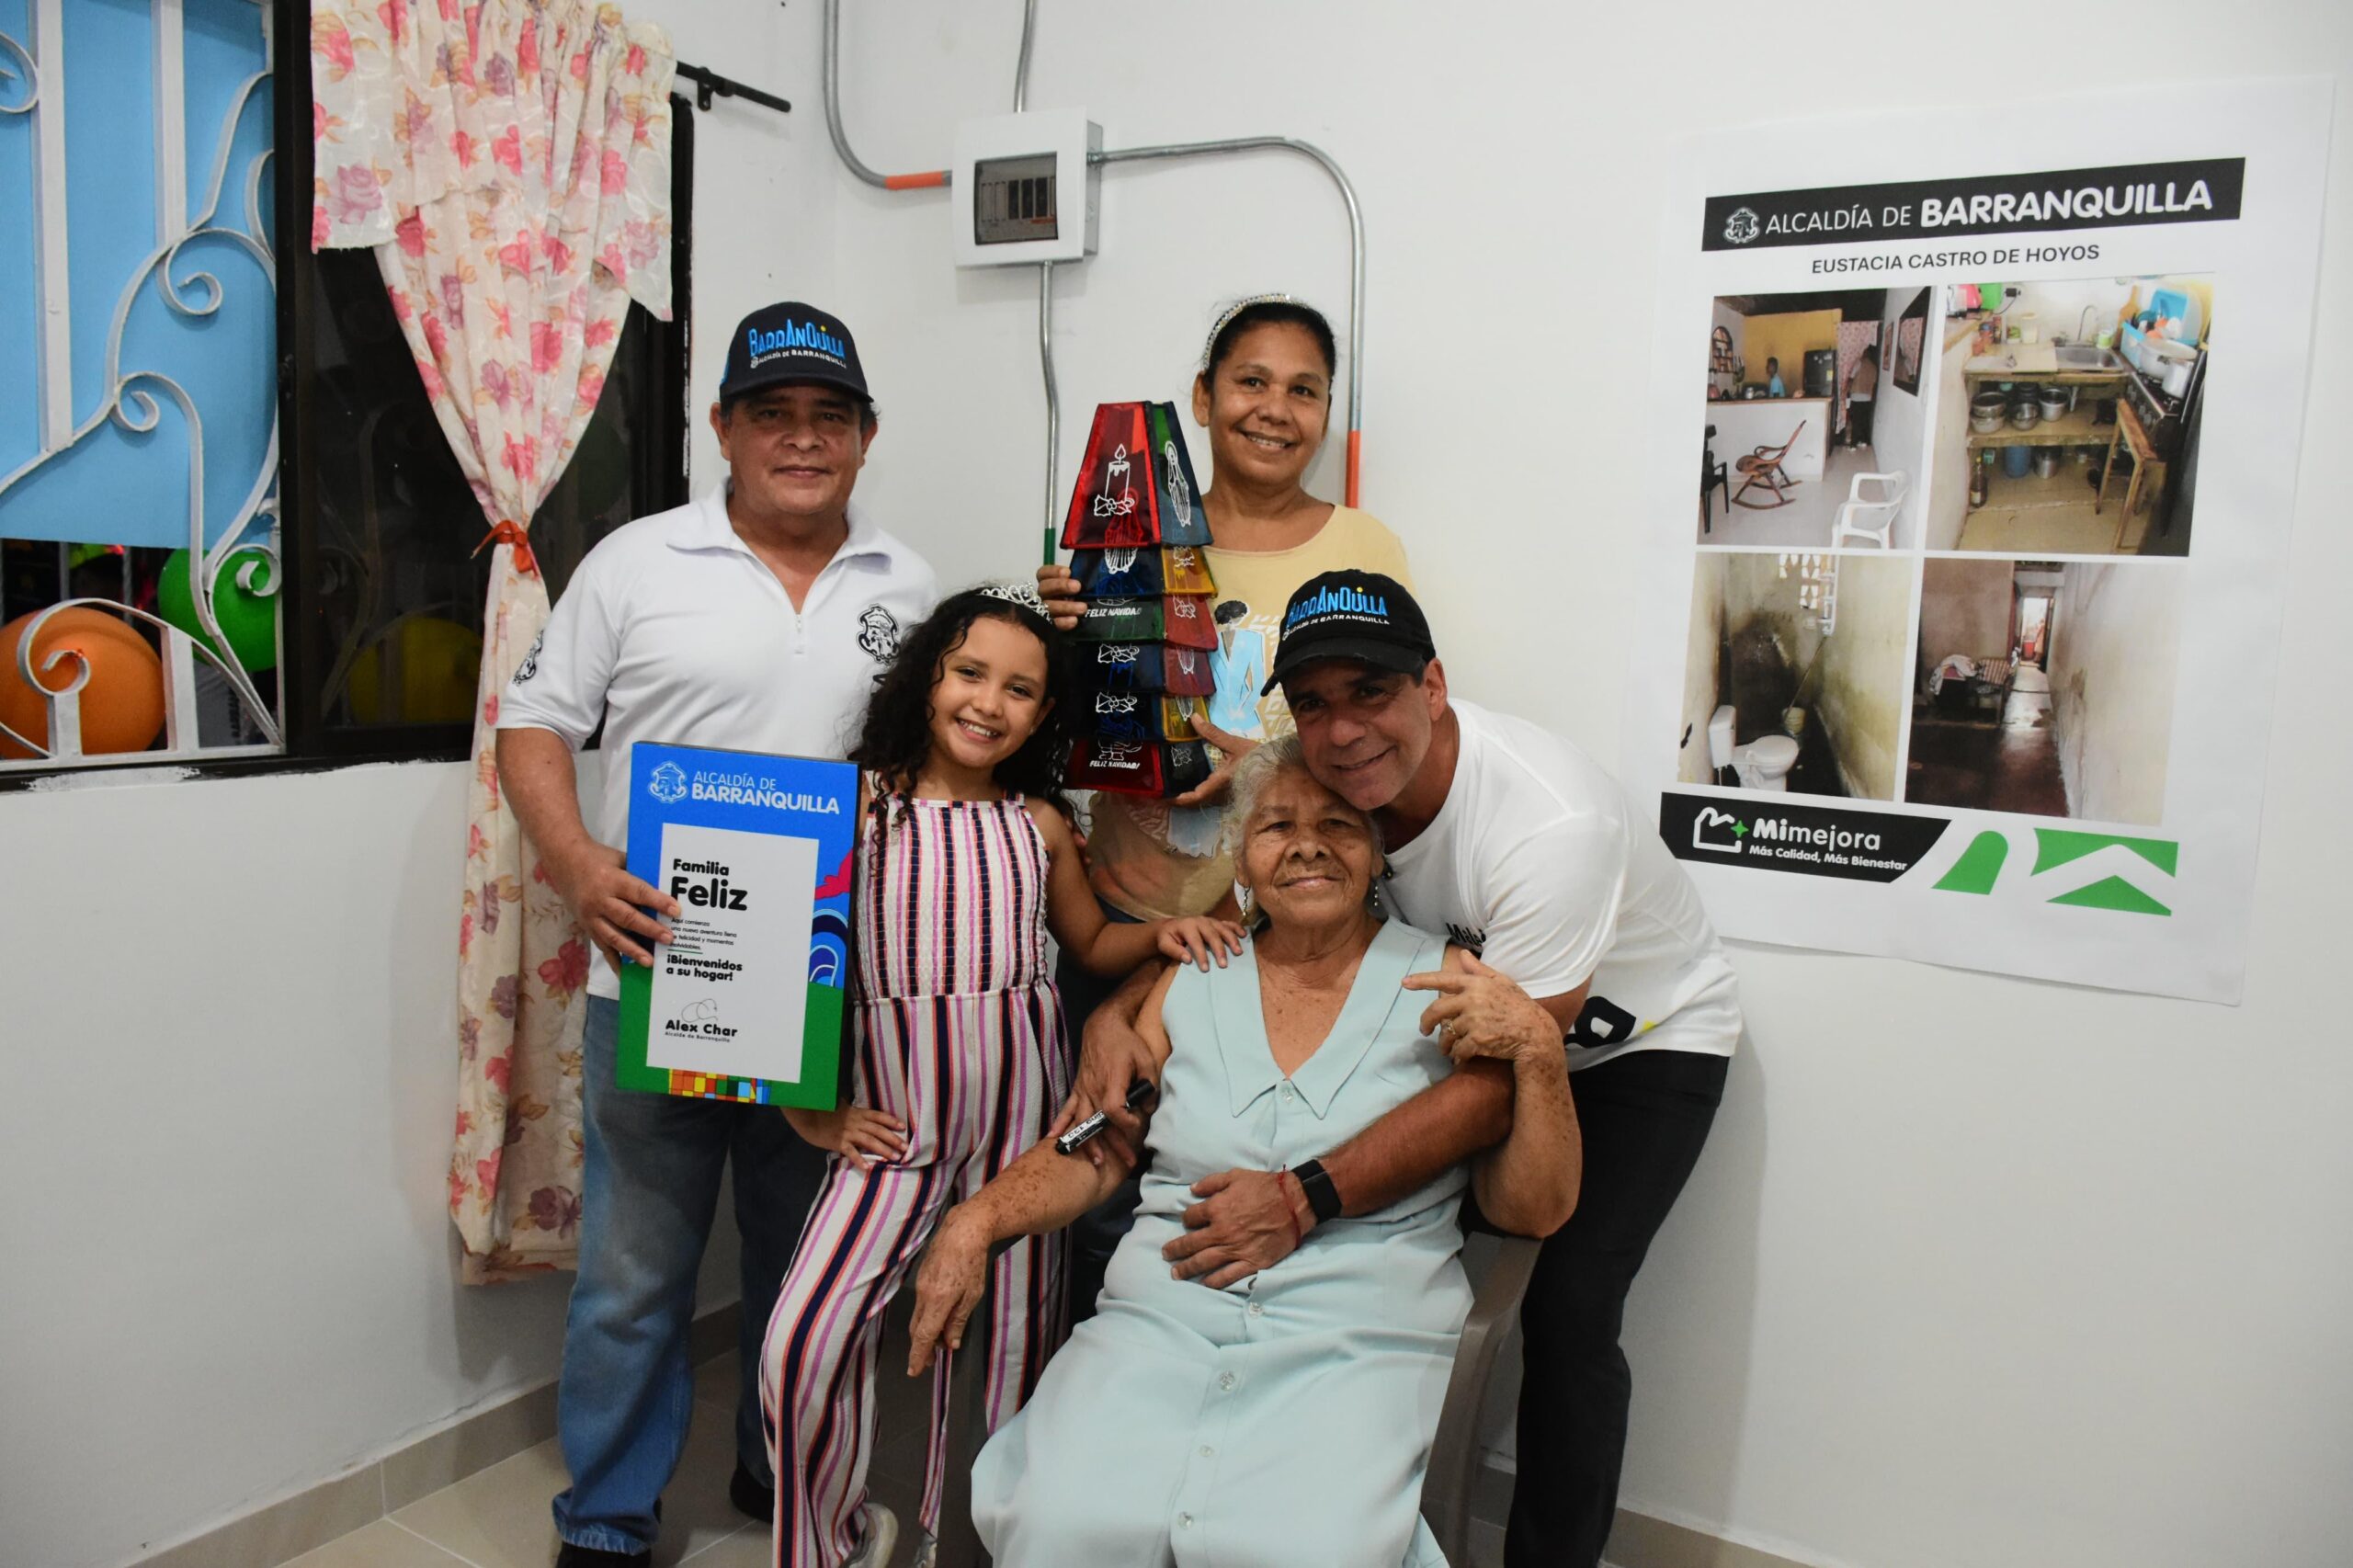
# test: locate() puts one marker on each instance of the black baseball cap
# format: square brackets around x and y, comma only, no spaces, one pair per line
[791,344]
[1362,616]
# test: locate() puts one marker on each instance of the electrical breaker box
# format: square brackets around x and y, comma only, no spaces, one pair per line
[1025,189]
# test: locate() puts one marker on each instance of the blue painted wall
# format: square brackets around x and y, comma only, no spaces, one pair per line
[118,486]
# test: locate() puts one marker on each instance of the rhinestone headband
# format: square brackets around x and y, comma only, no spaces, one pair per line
[1017,591]
[1234,310]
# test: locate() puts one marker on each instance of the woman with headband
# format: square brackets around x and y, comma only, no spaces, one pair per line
[1264,393]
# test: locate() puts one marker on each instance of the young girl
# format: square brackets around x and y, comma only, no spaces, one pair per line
[967,862]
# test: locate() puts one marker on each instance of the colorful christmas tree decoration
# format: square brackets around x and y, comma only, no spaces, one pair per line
[1135,483]
[1136,529]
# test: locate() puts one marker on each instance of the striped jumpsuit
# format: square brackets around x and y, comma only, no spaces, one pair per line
[960,1036]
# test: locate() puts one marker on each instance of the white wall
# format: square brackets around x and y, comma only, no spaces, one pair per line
[1861,686]
[230,1012]
[1900,423]
[2114,648]
[1947,503]
[1702,644]
[1965,609]
[1975,1271]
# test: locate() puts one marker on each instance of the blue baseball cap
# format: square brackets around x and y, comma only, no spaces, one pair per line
[792,345]
[1362,616]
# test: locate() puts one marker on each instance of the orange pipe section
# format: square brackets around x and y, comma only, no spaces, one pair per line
[915,182]
[1356,454]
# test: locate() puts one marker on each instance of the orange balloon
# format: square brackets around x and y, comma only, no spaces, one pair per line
[123,706]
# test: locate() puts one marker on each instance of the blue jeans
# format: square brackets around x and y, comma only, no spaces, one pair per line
[650,1185]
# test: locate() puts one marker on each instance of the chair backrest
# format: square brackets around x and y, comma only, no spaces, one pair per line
[1455,1452]
[1769,455]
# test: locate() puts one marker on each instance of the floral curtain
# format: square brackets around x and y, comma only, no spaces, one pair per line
[509,163]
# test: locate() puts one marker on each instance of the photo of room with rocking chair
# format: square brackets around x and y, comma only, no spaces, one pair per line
[1814,435]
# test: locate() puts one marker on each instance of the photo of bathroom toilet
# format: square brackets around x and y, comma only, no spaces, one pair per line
[1796,673]
[2070,416]
[2045,687]
[1814,432]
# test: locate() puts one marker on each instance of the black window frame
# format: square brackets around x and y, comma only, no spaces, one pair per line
[659,457]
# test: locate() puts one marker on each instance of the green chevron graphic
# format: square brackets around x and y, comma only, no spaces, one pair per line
[2054,846]
[2113,893]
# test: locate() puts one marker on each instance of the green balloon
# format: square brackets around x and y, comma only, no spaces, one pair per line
[248,619]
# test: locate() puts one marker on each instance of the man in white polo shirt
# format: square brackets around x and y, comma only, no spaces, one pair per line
[756,617]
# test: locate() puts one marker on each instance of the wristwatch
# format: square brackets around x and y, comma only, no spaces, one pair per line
[1323,1198]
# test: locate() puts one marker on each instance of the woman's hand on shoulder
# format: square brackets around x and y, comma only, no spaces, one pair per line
[1479,1012]
[1059,590]
[1199,938]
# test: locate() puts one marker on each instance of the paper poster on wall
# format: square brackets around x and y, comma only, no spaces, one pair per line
[1966,651]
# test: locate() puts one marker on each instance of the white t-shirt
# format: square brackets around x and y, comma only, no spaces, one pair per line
[672,631]
[1538,862]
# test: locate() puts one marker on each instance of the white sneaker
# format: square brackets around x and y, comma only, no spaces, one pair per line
[881,1539]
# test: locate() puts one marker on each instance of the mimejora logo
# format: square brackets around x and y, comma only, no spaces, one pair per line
[1819,841]
[2071,859]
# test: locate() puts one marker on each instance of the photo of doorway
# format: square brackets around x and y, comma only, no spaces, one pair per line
[2045,687]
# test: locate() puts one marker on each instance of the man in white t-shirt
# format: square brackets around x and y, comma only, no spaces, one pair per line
[1514,842]
[755,618]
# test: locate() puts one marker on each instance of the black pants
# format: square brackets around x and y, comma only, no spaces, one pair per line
[1859,423]
[1644,1118]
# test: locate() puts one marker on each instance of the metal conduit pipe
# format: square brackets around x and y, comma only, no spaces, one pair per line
[831,79]
[1356,254]
[1053,403]
[833,87]
[1045,293]
[1021,71]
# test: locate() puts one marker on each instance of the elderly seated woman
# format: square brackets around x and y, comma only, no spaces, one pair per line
[1209,1413]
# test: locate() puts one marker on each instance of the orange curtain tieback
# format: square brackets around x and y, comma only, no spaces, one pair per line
[509,531]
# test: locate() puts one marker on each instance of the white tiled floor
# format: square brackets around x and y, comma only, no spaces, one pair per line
[1805,522]
[498,1518]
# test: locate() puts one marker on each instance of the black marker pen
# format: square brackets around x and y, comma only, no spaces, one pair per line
[1078,1137]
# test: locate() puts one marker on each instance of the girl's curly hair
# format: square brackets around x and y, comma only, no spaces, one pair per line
[894,739]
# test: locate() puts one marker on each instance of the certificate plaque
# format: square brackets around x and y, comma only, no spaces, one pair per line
[747,1003]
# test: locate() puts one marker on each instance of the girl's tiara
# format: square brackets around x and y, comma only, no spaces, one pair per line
[1015,591]
[1234,310]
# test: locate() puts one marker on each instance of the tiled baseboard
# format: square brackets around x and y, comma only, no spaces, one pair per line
[280,1531]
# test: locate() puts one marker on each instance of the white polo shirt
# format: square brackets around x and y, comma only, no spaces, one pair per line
[1538,862]
[672,631]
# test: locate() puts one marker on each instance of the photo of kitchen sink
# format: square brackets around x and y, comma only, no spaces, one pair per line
[2069,415]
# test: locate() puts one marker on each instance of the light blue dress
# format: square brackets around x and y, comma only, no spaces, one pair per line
[1286,1419]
